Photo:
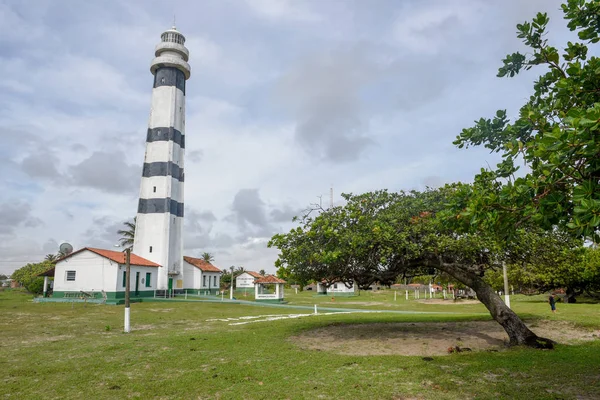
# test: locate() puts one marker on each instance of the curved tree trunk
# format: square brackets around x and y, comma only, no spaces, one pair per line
[518,332]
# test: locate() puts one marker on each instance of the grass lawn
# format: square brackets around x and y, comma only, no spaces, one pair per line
[186,350]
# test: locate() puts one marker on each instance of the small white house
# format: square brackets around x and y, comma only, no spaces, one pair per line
[201,275]
[245,280]
[337,289]
[262,288]
[97,271]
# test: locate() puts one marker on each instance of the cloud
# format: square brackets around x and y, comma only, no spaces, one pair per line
[107,171]
[102,233]
[249,212]
[323,94]
[15,214]
[283,10]
[41,165]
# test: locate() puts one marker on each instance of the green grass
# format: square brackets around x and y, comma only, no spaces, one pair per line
[64,351]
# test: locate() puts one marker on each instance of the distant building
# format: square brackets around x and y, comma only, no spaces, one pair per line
[337,289]
[201,275]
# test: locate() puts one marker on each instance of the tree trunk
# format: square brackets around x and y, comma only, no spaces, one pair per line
[570,296]
[517,331]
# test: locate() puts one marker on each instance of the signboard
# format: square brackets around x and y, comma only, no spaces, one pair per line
[266,296]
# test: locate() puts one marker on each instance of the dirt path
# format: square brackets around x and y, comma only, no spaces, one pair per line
[427,339]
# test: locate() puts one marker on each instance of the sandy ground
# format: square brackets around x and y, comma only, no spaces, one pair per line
[427,339]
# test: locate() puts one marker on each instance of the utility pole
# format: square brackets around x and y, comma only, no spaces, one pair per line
[506,292]
[127,327]
[231,285]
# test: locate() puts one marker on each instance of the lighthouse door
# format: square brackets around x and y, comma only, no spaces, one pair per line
[170,283]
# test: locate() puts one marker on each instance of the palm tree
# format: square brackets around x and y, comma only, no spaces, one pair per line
[239,270]
[208,257]
[51,257]
[127,234]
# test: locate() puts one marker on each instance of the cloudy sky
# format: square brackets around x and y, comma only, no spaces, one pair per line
[286,98]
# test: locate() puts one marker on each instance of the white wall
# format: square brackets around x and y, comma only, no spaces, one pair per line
[92,272]
[96,273]
[244,280]
[194,278]
[339,287]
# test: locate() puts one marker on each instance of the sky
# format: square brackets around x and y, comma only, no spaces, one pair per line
[287,98]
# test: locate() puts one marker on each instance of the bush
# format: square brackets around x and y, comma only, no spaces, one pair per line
[35,285]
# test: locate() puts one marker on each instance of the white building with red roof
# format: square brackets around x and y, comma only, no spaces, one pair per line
[201,275]
[99,273]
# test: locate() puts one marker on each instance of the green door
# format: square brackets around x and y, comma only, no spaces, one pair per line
[170,283]
[137,283]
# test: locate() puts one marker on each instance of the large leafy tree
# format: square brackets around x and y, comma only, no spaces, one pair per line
[555,135]
[379,236]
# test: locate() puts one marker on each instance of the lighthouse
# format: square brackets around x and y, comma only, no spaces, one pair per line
[159,222]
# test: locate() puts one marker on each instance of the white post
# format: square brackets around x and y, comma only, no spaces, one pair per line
[127,320]
[186,294]
[407,295]
[296,290]
[154,293]
[45,285]
[221,296]
[395,292]
[506,293]
[231,286]
[444,293]
[316,309]
[256,290]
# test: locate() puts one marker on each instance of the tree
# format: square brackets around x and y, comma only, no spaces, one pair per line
[379,236]
[127,234]
[208,257]
[262,272]
[27,276]
[554,136]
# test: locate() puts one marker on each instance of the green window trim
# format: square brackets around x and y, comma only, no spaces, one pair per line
[148,279]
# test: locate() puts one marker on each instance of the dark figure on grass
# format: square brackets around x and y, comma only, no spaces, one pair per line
[552,302]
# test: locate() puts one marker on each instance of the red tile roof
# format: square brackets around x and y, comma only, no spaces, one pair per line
[254,274]
[269,279]
[116,256]
[201,264]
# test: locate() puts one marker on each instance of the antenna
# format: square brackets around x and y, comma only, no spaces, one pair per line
[65,249]
[174,26]
[331,196]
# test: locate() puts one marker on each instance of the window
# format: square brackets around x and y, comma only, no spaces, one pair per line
[71,275]
[335,286]
[150,249]
[124,278]
[154,189]
[204,281]
[215,281]
[148,279]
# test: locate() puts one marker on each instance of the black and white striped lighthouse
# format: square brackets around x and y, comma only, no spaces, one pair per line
[159,223]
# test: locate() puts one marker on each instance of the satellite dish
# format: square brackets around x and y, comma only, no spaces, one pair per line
[65,249]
